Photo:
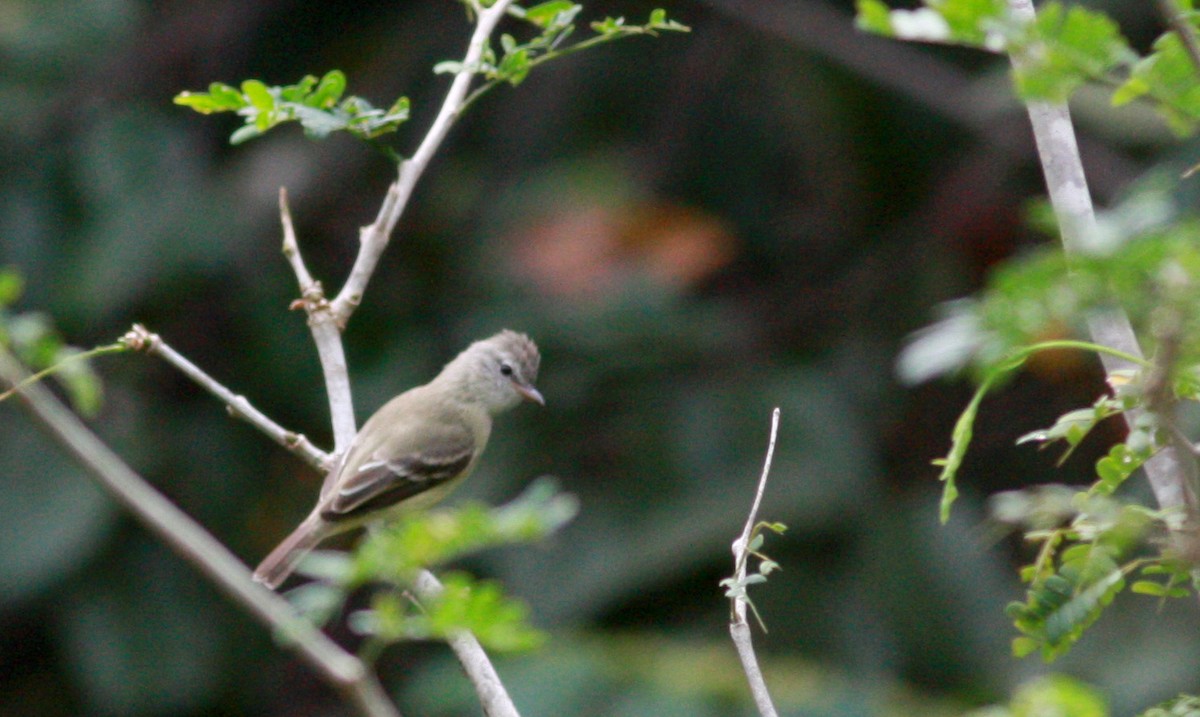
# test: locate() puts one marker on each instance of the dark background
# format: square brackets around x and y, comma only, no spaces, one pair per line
[695,229]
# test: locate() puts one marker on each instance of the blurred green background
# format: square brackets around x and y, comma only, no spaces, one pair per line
[695,229]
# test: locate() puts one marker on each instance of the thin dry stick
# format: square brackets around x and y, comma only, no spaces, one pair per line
[328,319]
[739,628]
[326,331]
[187,538]
[489,688]
[375,237]
[1068,188]
[140,339]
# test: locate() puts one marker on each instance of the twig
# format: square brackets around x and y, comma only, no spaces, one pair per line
[375,237]
[326,328]
[1072,204]
[340,668]
[69,360]
[739,628]
[488,687]
[327,319]
[140,339]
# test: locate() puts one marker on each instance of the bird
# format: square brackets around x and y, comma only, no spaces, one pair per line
[417,447]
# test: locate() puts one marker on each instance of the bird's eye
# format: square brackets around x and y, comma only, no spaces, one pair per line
[506,369]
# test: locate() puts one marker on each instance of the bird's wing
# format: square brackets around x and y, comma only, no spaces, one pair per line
[383,480]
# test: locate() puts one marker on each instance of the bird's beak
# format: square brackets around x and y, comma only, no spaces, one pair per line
[530,393]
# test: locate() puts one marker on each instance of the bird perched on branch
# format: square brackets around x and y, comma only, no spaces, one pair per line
[417,447]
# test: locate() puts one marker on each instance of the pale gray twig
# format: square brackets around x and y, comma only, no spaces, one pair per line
[492,694]
[1072,203]
[327,319]
[139,338]
[326,328]
[739,627]
[375,237]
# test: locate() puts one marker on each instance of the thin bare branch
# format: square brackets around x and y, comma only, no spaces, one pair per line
[191,541]
[140,339]
[1068,189]
[375,237]
[739,627]
[291,248]
[492,695]
[326,331]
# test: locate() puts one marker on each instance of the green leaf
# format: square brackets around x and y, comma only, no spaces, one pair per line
[299,91]
[245,133]
[1180,706]
[329,91]
[1149,587]
[82,384]
[317,123]
[1115,468]
[1168,77]
[874,16]
[1060,696]
[11,286]
[1024,646]
[547,13]
[258,95]
[971,21]
[1064,49]
[448,67]
[960,439]
[499,622]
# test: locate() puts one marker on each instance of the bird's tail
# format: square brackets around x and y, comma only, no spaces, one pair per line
[279,564]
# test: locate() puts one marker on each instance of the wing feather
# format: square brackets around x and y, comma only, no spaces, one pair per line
[384,481]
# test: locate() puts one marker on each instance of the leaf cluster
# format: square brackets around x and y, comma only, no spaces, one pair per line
[554,23]
[1143,257]
[1090,542]
[1063,48]
[392,558]
[321,107]
[736,585]
[318,105]
[1037,303]
[1179,706]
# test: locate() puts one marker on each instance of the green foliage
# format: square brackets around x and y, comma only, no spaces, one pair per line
[395,555]
[554,22]
[1148,274]
[316,104]
[319,106]
[1057,695]
[500,623]
[735,586]
[1180,706]
[1065,47]
[1167,75]
[1091,541]
[1064,599]
[32,338]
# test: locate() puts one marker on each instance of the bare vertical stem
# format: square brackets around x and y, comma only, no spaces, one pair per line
[326,331]
[471,655]
[375,237]
[739,627]
[1072,202]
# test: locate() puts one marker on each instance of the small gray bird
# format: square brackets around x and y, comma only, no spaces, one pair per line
[417,447]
